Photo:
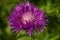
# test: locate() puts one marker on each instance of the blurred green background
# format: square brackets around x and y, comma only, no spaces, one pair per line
[52,31]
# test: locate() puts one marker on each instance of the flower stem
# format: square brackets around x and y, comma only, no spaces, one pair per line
[32,36]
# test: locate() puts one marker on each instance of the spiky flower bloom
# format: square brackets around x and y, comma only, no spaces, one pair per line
[28,17]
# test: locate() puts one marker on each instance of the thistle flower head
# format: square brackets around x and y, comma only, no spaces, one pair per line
[28,17]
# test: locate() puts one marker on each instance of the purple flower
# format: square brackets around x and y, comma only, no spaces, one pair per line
[28,17]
